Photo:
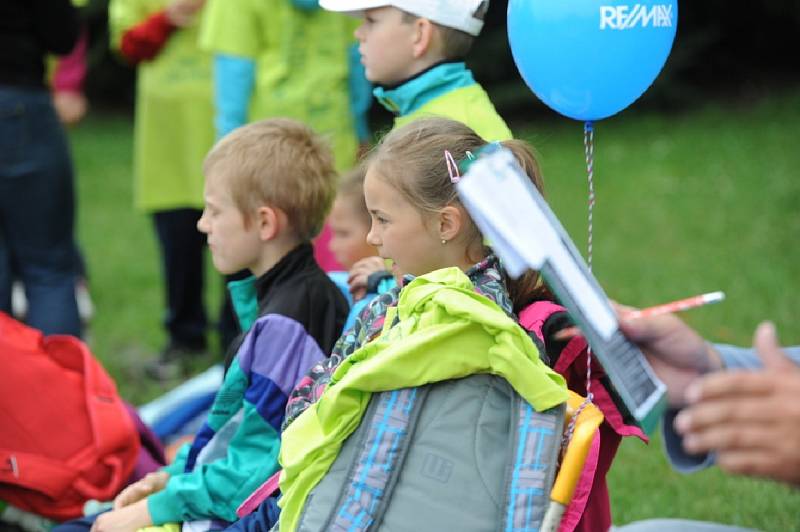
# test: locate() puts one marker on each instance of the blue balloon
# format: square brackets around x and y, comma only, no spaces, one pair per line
[590,59]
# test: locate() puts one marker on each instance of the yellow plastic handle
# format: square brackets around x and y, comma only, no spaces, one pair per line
[578,447]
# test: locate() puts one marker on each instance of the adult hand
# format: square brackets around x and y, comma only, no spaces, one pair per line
[750,419]
[149,484]
[678,355]
[70,106]
[181,13]
[359,274]
[128,519]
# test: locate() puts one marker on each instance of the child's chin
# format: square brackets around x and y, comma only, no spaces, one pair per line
[223,268]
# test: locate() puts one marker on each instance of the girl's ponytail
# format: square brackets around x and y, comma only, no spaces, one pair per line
[529,287]
[412,160]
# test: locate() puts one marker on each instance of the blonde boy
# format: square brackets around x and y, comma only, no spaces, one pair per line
[268,188]
[413,50]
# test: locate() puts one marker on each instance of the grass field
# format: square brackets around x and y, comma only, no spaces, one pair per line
[686,203]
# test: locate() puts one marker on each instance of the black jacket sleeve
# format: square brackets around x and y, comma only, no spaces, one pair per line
[56,24]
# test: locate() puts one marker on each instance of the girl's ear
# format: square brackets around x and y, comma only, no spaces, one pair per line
[423,37]
[270,222]
[451,220]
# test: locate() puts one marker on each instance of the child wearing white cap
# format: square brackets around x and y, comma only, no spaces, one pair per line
[413,51]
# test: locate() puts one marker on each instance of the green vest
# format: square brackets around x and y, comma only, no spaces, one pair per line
[301,63]
[173,128]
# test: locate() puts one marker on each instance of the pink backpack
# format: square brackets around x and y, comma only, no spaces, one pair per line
[590,509]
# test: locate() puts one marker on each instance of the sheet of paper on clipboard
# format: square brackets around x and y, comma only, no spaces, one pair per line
[525,234]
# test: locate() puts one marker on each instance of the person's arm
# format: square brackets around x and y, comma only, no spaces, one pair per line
[232,32]
[734,357]
[361,272]
[750,420]
[178,465]
[234,81]
[215,489]
[70,71]
[67,84]
[237,450]
[145,40]
[676,352]
[746,421]
[681,460]
[142,37]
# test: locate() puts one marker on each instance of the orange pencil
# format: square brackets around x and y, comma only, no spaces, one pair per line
[666,308]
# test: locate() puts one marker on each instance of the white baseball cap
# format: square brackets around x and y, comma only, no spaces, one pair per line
[464,15]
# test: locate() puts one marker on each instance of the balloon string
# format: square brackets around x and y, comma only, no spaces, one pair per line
[588,143]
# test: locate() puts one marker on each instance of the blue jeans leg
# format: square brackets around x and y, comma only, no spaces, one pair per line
[37,210]
[82,524]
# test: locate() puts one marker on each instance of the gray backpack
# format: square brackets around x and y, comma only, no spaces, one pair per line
[461,455]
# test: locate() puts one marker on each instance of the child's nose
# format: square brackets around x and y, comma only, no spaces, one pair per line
[372,238]
[202,226]
[359,32]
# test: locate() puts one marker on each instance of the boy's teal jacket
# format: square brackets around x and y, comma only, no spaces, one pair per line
[448,90]
[300,316]
[444,330]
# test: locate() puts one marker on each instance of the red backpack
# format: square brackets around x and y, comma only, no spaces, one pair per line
[65,436]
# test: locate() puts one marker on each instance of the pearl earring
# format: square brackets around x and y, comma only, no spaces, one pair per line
[444,241]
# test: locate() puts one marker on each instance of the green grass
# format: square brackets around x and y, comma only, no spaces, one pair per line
[686,203]
[120,247]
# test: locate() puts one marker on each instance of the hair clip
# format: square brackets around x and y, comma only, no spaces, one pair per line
[452,167]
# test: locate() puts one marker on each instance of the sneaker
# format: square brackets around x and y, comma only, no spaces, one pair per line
[172,362]
[19,302]
[84,300]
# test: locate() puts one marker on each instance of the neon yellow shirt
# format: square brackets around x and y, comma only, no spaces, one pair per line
[301,63]
[173,128]
[448,90]
[469,105]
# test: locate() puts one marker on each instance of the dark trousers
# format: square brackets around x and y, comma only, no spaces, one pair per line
[182,252]
[37,209]
[182,264]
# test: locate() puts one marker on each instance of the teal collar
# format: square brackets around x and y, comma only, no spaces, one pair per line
[408,96]
[244,300]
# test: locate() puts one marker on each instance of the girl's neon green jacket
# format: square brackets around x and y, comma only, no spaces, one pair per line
[445,331]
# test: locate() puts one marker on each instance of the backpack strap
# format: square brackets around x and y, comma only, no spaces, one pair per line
[376,466]
[533,317]
[533,454]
